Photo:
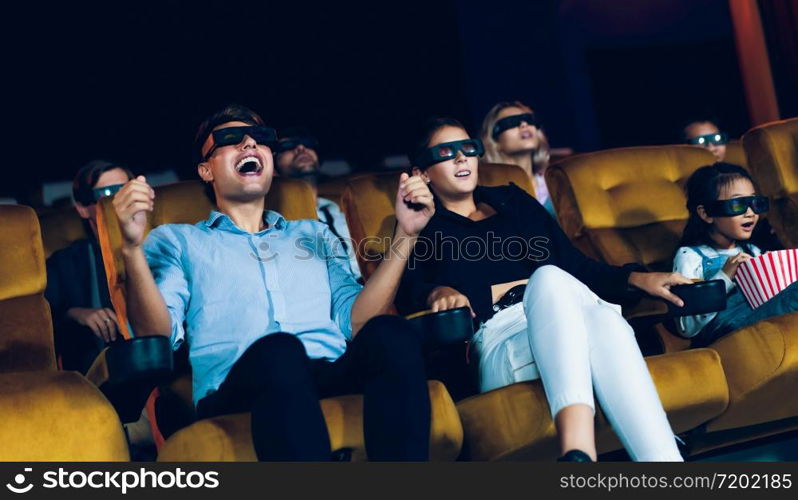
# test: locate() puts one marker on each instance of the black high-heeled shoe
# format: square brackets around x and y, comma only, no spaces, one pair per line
[575,456]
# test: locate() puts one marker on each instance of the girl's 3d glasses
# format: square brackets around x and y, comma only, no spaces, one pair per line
[448,150]
[718,139]
[234,135]
[737,206]
[512,122]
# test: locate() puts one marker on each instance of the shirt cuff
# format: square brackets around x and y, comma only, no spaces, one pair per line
[720,275]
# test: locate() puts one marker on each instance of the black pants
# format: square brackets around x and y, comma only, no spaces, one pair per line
[281,386]
[77,346]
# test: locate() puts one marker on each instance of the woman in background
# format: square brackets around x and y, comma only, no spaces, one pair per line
[511,134]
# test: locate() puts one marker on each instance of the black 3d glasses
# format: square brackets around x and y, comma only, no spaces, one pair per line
[290,143]
[737,206]
[448,150]
[512,122]
[718,139]
[106,191]
[234,135]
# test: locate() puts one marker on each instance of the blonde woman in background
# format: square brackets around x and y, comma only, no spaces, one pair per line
[511,134]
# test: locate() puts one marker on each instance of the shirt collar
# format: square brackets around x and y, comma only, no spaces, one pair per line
[216,219]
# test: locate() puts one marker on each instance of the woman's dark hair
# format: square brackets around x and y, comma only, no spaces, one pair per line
[87,177]
[230,113]
[426,132]
[703,187]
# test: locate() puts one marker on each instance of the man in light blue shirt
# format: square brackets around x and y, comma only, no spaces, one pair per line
[273,317]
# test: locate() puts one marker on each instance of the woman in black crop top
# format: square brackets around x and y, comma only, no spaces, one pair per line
[546,310]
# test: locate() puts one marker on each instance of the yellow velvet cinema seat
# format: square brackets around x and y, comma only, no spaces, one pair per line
[60,228]
[228,438]
[628,205]
[772,151]
[47,415]
[735,154]
[333,189]
[514,422]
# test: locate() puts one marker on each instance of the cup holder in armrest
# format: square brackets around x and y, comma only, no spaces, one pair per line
[127,372]
[444,327]
[699,298]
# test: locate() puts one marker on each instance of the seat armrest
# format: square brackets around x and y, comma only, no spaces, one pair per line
[126,372]
[701,297]
[444,327]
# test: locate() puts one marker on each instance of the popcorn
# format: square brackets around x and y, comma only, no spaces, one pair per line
[762,278]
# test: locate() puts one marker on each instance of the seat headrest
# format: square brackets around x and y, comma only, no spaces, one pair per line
[628,187]
[186,202]
[772,151]
[735,154]
[500,174]
[22,270]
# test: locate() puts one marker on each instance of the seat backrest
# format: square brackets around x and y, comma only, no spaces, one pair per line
[499,174]
[26,331]
[333,189]
[626,205]
[186,203]
[735,154]
[60,228]
[368,202]
[772,152]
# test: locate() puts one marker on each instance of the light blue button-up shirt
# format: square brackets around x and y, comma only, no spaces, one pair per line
[225,288]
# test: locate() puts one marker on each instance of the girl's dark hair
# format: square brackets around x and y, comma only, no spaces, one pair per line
[426,132]
[703,187]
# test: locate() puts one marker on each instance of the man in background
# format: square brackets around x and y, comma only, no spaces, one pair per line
[296,155]
[83,318]
[705,133]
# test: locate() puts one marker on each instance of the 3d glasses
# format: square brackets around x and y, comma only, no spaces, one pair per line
[289,143]
[106,191]
[512,122]
[448,150]
[234,135]
[718,139]
[737,206]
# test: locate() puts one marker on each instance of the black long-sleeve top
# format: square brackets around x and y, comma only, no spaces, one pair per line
[470,256]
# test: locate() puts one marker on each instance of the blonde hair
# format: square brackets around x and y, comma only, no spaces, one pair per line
[540,156]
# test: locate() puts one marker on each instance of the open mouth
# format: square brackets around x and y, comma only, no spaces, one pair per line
[526,134]
[748,226]
[249,165]
[462,173]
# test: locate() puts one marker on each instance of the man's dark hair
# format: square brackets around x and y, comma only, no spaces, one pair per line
[296,133]
[87,177]
[426,132]
[230,113]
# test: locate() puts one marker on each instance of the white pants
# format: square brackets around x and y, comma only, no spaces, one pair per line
[577,344]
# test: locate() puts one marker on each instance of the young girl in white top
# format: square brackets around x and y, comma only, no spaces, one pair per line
[724,211]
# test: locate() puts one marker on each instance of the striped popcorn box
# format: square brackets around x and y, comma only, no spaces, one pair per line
[761,278]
